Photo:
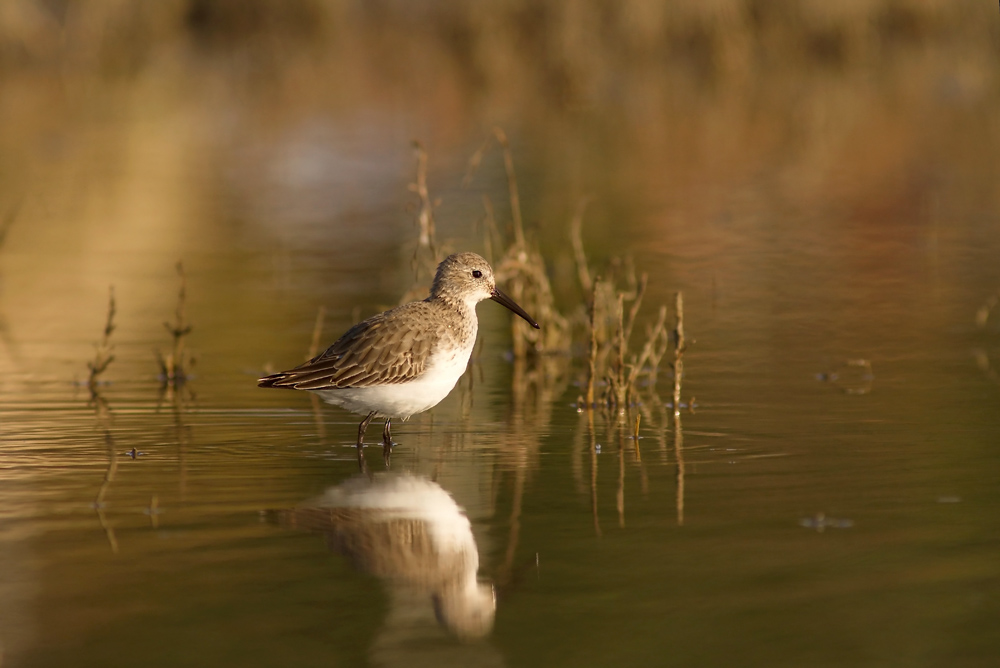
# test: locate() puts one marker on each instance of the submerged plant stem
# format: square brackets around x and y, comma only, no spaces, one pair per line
[104,355]
[678,352]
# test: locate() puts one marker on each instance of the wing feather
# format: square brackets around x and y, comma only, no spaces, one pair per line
[388,348]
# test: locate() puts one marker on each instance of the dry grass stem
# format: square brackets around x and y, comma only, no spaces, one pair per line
[521,266]
[620,494]
[428,254]
[610,328]
[679,347]
[614,303]
[636,303]
[576,241]
[317,333]
[657,342]
[593,473]
[491,234]
[174,367]
[522,270]
[104,355]
[679,456]
[616,379]
[592,358]
[508,160]
[515,198]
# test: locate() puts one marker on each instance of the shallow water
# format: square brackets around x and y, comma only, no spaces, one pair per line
[804,519]
[828,496]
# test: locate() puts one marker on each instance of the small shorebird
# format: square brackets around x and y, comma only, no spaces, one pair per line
[405,360]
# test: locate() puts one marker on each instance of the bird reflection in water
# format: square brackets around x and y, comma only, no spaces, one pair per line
[408,531]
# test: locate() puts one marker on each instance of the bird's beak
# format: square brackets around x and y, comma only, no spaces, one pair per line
[501,298]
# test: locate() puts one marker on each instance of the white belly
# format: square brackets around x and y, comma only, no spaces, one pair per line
[401,400]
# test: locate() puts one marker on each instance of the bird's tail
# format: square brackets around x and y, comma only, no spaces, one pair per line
[275,380]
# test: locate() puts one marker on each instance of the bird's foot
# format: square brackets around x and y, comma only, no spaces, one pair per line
[386,453]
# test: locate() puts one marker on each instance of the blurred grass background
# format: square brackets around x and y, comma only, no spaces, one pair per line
[843,86]
[183,125]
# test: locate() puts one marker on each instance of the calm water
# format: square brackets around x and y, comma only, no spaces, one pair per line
[807,512]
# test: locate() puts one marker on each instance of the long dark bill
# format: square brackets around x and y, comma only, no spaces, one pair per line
[501,298]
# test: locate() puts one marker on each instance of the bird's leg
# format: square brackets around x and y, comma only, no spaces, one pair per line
[362,464]
[362,427]
[386,442]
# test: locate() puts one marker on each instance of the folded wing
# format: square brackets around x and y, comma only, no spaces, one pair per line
[384,349]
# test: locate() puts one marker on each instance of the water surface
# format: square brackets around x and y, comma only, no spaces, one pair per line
[828,496]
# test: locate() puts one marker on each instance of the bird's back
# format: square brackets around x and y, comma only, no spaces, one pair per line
[396,346]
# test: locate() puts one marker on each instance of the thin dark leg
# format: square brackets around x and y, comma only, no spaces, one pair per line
[386,442]
[362,464]
[362,427]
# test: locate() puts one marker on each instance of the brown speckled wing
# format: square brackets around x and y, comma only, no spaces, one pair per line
[388,348]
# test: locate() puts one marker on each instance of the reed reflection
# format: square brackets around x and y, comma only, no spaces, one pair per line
[102,410]
[622,416]
[980,352]
[408,531]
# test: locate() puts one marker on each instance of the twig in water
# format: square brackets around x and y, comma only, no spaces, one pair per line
[174,367]
[617,376]
[622,377]
[635,437]
[657,342]
[640,291]
[679,347]
[105,350]
[607,316]
[620,495]
[657,350]
[679,456]
[592,358]
[109,477]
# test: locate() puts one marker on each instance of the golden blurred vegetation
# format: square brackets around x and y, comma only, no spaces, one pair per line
[567,52]
[696,76]
[675,114]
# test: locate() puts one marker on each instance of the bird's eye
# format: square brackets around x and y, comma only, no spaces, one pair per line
[476,273]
